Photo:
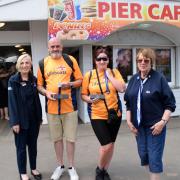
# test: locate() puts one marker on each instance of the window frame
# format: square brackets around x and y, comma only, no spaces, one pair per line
[172,84]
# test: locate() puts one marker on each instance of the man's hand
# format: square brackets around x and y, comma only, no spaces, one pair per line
[66,85]
[50,95]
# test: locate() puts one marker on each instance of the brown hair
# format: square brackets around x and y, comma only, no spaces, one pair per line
[148,53]
[99,50]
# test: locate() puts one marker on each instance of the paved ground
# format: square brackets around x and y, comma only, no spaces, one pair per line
[124,166]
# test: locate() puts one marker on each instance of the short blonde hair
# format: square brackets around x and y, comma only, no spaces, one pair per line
[20,58]
[148,53]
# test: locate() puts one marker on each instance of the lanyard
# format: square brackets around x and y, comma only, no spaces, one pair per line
[139,112]
[106,82]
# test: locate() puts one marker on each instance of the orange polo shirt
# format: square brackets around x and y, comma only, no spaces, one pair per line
[57,71]
[98,110]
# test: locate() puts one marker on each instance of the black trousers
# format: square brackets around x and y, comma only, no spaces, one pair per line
[26,138]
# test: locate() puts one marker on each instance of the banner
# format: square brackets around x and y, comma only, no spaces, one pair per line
[96,19]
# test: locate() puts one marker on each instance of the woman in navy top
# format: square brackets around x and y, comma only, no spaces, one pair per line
[25,115]
[149,102]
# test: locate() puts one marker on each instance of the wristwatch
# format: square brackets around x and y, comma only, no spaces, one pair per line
[164,120]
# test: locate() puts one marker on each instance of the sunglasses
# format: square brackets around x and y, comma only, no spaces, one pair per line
[146,61]
[57,46]
[101,58]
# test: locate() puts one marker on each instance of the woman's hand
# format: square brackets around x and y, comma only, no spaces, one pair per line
[158,127]
[119,85]
[132,128]
[95,100]
[88,99]
[16,129]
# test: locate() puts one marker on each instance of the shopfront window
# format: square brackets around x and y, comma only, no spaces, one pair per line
[123,58]
[163,62]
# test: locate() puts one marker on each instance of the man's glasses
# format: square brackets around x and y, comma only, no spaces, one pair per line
[57,46]
[101,58]
[146,61]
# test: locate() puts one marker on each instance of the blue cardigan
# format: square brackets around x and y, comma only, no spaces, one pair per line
[17,102]
[156,97]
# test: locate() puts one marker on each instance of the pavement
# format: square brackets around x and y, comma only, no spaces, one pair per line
[125,164]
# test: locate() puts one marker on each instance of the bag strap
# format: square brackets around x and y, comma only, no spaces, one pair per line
[101,90]
[68,61]
[90,75]
[41,67]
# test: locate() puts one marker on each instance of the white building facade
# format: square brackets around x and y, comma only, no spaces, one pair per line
[160,35]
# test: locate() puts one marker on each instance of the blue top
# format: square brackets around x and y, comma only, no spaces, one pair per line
[156,97]
[23,102]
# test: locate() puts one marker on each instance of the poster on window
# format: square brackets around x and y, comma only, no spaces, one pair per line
[123,62]
[163,62]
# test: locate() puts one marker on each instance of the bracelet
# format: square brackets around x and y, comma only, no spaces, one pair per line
[164,120]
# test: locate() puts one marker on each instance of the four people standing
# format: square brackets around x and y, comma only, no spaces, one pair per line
[25,115]
[149,101]
[62,76]
[58,79]
[100,90]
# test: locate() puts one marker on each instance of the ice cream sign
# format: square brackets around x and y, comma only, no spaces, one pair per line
[96,19]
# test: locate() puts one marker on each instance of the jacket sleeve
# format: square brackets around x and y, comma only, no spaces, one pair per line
[168,98]
[129,89]
[126,99]
[12,104]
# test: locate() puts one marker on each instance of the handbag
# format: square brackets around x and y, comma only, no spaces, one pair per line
[112,114]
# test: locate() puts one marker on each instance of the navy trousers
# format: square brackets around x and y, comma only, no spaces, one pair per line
[26,138]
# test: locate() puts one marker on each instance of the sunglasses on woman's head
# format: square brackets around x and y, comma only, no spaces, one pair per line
[102,58]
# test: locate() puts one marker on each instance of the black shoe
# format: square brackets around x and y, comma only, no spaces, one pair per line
[37,176]
[99,174]
[106,175]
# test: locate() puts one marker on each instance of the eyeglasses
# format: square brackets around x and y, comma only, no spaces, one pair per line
[146,61]
[101,58]
[56,46]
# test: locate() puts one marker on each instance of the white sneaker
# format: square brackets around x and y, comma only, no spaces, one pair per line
[73,174]
[57,173]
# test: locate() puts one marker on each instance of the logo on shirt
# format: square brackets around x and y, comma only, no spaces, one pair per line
[61,68]
[58,70]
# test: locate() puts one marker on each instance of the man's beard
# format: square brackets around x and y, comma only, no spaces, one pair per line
[56,55]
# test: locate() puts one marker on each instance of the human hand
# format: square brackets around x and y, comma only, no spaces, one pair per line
[132,128]
[93,100]
[157,128]
[50,95]
[16,129]
[66,85]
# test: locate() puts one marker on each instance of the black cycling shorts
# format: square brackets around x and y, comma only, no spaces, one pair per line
[106,133]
